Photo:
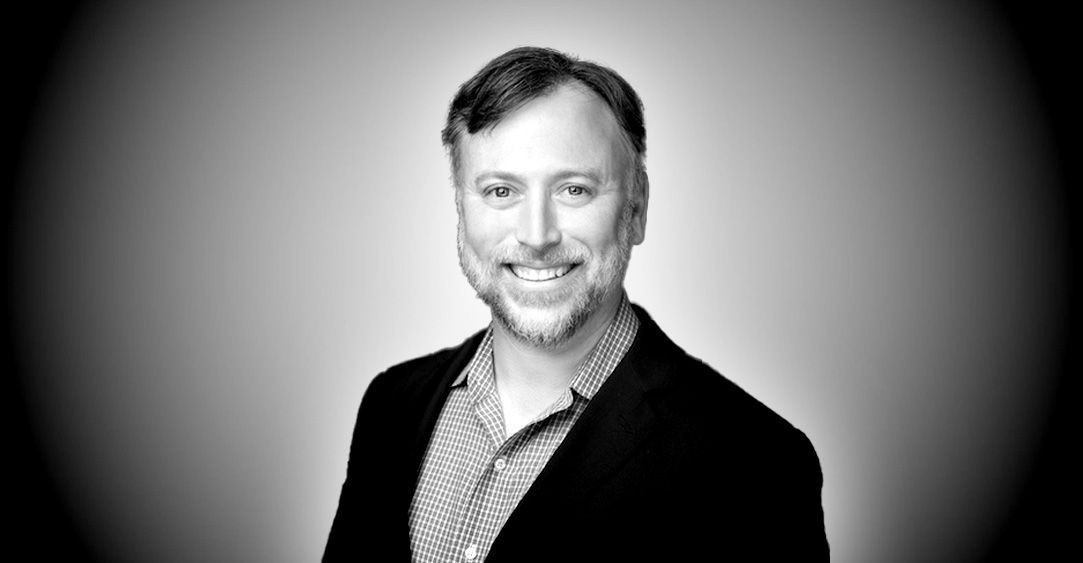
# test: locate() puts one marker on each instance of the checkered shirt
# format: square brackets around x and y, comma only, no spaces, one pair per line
[473,476]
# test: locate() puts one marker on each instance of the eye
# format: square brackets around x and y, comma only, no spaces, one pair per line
[576,191]
[500,192]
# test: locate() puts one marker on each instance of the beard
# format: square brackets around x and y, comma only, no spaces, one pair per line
[548,319]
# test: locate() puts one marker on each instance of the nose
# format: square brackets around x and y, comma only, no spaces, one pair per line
[538,223]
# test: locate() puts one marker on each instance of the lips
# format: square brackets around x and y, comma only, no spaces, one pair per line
[540,274]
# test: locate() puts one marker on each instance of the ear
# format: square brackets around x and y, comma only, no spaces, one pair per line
[640,198]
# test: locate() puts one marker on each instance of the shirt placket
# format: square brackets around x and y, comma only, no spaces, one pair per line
[484,473]
[485,503]
[494,492]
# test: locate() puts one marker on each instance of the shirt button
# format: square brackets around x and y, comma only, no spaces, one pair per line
[500,464]
[471,553]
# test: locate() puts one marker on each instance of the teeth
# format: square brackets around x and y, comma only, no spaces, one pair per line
[533,274]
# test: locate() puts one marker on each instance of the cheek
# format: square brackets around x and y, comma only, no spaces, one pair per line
[597,230]
[482,228]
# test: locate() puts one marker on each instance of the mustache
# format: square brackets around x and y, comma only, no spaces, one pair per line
[523,254]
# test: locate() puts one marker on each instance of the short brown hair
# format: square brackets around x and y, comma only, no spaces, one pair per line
[525,73]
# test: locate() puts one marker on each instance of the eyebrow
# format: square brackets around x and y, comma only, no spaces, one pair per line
[591,174]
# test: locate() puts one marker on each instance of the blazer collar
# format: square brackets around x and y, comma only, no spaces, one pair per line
[617,420]
[615,423]
[432,395]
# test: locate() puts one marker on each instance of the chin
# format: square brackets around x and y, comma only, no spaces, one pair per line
[546,328]
[550,318]
[548,322]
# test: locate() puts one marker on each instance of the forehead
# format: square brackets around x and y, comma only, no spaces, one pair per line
[568,129]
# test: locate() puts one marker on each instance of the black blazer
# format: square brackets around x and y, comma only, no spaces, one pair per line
[670,461]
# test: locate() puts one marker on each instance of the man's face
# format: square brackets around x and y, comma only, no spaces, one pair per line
[546,221]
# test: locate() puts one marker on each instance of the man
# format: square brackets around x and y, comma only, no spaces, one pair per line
[572,428]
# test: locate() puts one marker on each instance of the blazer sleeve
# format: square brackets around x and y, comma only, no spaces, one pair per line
[762,503]
[809,512]
[797,532]
[364,527]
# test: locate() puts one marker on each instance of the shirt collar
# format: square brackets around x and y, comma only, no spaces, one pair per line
[592,373]
[481,362]
[607,353]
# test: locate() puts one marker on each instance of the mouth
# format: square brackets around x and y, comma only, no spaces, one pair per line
[527,273]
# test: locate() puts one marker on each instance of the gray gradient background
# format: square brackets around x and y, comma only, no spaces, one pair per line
[241,213]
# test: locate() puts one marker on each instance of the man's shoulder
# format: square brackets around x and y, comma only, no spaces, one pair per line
[699,396]
[711,421]
[715,395]
[423,369]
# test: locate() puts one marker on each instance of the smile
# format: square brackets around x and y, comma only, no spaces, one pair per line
[540,274]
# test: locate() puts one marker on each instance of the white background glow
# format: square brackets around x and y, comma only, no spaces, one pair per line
[241,213]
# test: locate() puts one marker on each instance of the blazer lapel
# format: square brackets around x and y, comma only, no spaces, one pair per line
[424,399]
[429,398]
[617,421]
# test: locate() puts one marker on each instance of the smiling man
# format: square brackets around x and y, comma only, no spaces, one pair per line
[571,428]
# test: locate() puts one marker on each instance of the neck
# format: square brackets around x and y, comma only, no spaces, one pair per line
[529,378]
